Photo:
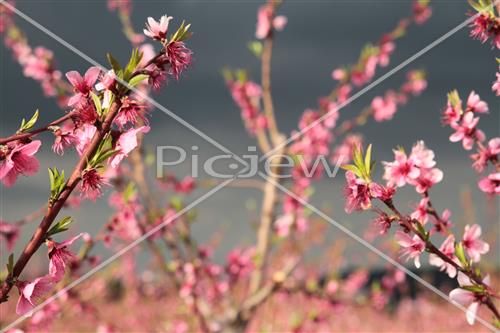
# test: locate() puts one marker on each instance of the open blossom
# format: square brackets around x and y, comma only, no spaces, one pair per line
[485,26]
[420,214]
[126,143]
[357,193]
[448,249]
[157,30]
[467,298]
[466,131]
[18,159]
[475,104]
[84,135]
[412,248]
[266,21]
[82,85]
[31,292]
[92,181]
[179,57]
[474,246]
[490,184]
[64,139]
[60,257]
[384,108]
[486,154]
[131,112]
[427,179]
[451,113]
[443,223]
[403,170]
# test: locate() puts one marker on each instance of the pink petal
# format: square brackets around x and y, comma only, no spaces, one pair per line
[462,297]
[471,313]
[74,78]
[91,76]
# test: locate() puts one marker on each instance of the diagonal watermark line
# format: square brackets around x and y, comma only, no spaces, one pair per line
[118,254]
[374,249]
[92,61]
[377,81]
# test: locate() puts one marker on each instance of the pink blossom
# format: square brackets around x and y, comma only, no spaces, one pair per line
[157,30]
[452,113]
[357,193]
[443,223]
[382,222]
[466,131]
[131,112]
[84,135]
[107,81]
[266,21]
[283,224]
[448,249]
[496,85]
[384,108]
[64,139]
[427,179]
[480,27]
[475,104]
[125,144]
[403,170]
[415,83]
[92,181]
[384,193]
[344,151]
[420,214]
[486,154]
[421,12]
[247,96]
[467,298]
[422,156]
[410,247]
[185,186]
[10,232]
[179,58]
[60,257]
[18,159]
[31,292]
[472,244]
[490,184]
[82,85]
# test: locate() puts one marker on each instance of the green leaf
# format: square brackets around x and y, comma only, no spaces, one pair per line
[352,168]
[474,289]
[460,253]
[114,63]
[256,48]
[368,158]
[60,226]
[26,126]
[10,264]
[182,33]
[135,58]
[97,103]
[454,98]
[57,183]
[176,203]
[137,79]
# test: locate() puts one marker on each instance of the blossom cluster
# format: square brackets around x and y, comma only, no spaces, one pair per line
[464,120]
[454,257]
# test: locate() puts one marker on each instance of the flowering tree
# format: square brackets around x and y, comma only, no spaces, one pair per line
[105,116]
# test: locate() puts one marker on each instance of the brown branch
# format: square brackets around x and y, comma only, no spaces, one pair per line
[409,224]
[53,210]
[22,136]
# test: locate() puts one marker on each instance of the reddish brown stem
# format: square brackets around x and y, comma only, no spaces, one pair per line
[52,211]
[22,136]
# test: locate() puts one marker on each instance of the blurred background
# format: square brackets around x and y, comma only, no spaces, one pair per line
[320,36]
